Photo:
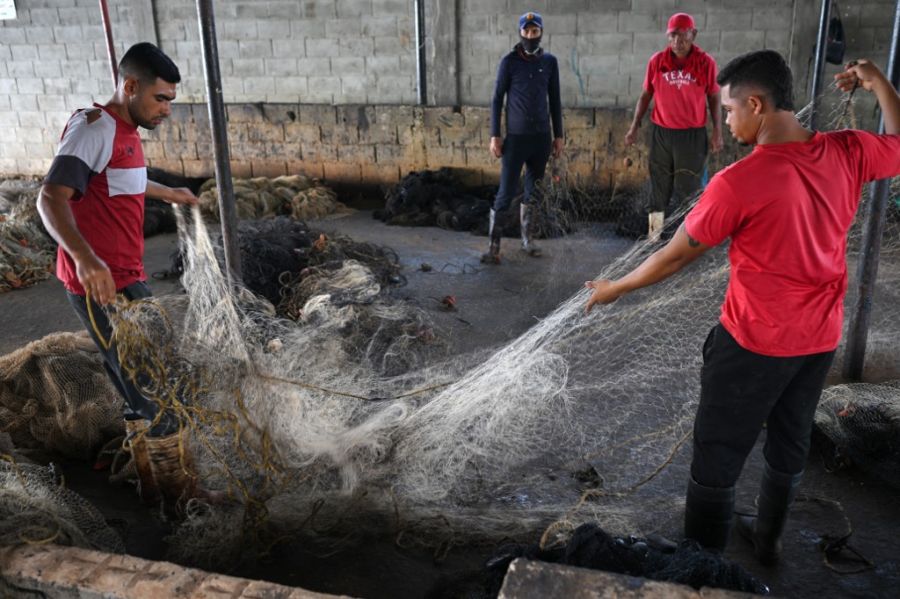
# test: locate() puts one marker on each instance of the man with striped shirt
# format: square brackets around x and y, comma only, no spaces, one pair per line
[92,203]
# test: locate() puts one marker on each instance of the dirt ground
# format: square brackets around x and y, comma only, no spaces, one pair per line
[496,304]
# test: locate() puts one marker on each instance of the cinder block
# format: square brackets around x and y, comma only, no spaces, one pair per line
[239,30]
[289,47]
[80,51]
[34,119]
[318,152]
[337,172]
[380,24]
[318,48]
[314,67]
[388,154]
[340,28]
[361,154]
[24,103]
[323,89]
[605,43]
[316,114]
[772,18]
[348,66]
[268,167]
[353,90]
[634,21]
[240,168]
[439,156]
[304,167]
[353,8]
[10,35]
[255,48]
[391,7]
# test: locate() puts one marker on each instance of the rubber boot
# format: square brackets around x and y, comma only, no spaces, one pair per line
[173,469]
[707,515]
[495,232]
[525,221]
[655,225]
[136,442]
[776,493]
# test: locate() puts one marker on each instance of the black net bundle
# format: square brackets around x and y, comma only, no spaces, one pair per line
[591,547]
[434,198]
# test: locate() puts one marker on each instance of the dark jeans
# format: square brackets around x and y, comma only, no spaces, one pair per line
[532,152]
[136,404]
[677,159]
[740,391]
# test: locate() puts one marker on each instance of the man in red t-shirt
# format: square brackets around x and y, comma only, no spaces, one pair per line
[787,208]
[92,203]
[681,81]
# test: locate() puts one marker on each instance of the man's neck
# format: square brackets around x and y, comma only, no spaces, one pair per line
[782,127]
[117,105]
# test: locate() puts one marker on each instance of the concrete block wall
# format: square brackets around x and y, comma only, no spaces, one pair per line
[358,55]
[365,144]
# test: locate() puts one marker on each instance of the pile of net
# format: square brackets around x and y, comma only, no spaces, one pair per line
[36,508]
[862,421]
[26,250]
[436,198]
[55,397]
[296,196]
[589,546]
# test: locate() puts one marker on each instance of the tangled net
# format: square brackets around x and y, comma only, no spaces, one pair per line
[26,250]
[578,420]
[296,196]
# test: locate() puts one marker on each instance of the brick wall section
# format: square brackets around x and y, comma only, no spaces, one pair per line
[360,52]
[352,144]
[48,570]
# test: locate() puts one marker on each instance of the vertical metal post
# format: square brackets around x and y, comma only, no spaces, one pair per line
[227,208]
[819,63]
[870,252]
[110,48]
[420,52]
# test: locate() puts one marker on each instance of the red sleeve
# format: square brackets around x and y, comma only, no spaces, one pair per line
[880,155]
[649,75]
[716,215]
[712,72]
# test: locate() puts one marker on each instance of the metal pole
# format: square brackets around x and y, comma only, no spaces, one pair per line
[870,253]
[819,62]
[420,52]
[227,208]
[110,49]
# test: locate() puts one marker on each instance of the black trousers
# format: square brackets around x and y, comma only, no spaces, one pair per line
[677,159]
[532,152]
[137,406]
[739,392]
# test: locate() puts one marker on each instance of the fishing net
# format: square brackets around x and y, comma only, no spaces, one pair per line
[591,547]
[26,250]
[578,420]
[36,508]
[56,397]
[296,196]
[862,421]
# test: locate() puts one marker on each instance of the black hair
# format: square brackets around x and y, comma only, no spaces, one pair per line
[145,62]
[765,69]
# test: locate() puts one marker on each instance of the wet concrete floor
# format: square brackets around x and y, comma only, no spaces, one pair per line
[495,305]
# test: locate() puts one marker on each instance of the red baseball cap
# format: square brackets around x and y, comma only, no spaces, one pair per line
[680,20]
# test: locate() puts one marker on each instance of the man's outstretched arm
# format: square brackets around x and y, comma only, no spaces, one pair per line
[675,255]
[866,74]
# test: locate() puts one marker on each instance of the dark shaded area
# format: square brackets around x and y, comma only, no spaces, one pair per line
[158,215]
[591,547]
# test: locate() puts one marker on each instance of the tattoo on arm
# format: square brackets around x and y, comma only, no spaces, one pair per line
[692,242]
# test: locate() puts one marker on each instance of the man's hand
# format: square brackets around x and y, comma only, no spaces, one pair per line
[631,136]
[862,73]
[716,143]
[558,145]
[182,195]
[94,276]
[497,147]
[604,293]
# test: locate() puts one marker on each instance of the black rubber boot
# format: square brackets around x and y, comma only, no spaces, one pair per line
[495,232]
[776,493]
[707,515]
[525,220]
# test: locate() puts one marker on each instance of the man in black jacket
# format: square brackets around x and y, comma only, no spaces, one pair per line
[528,78]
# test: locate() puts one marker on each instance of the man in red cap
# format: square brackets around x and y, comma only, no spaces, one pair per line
[681,81]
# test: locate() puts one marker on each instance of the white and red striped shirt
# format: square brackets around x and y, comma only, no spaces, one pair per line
[101,158]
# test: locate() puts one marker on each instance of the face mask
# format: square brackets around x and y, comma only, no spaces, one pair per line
[531,45]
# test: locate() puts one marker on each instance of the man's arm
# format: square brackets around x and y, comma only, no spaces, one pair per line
[172,195]
[92,272]
[556,111]
[866,74]
[500,89]
[714,100]
[675,255]
[639,111]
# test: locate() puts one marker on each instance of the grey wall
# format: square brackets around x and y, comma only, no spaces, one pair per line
[53,57]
